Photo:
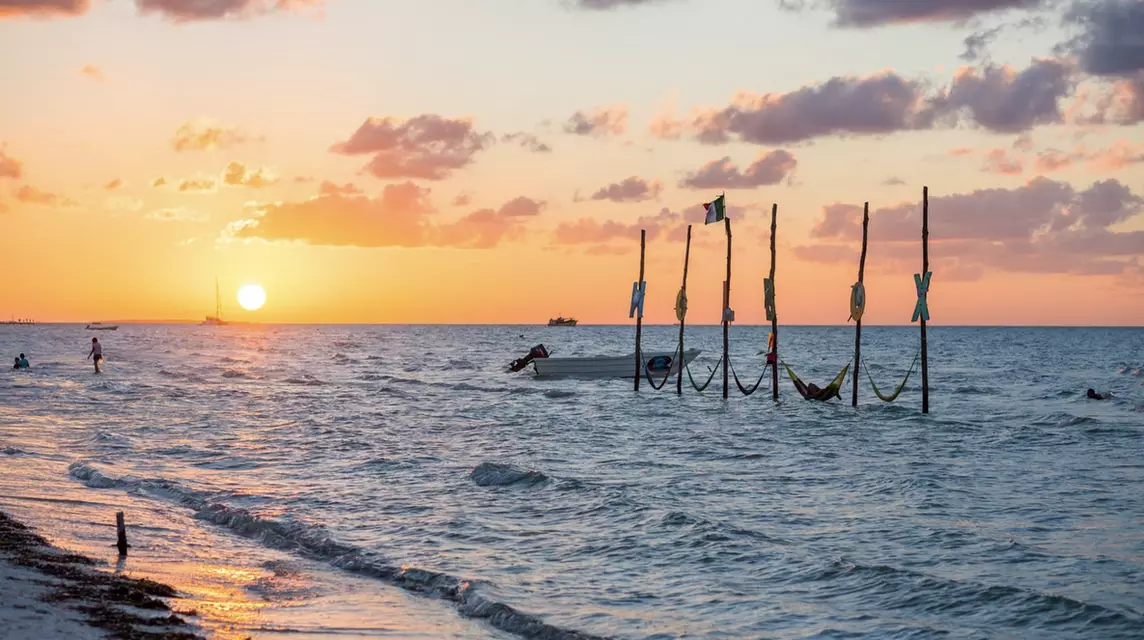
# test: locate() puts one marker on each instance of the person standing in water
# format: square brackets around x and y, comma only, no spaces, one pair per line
[96,353]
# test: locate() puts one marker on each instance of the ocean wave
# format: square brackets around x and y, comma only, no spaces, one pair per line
[306,379]
[495,474]
[314,541]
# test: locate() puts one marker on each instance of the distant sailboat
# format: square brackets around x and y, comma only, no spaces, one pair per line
[215,320]
[562,322]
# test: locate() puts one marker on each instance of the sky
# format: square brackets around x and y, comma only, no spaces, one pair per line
[494,161]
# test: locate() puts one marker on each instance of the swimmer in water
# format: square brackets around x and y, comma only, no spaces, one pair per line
[96,353]
[1093,395]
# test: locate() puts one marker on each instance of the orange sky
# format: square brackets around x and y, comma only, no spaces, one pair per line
[368,162]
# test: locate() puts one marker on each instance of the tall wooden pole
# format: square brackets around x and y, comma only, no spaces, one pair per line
[639,315]
[726,305]
[775,314]
[858,321]
[683,319]
[925,270]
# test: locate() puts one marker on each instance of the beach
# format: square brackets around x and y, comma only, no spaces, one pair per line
[396,482]
[46,592]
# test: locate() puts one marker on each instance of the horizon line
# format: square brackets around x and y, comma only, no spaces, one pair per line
[580,324]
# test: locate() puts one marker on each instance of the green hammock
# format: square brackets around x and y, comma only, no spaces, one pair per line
[893,396]
[831,390]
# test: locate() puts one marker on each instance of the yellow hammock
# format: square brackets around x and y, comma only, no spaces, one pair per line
[893,396]
[831,390]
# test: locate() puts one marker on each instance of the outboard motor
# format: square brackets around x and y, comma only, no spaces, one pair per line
[536,352]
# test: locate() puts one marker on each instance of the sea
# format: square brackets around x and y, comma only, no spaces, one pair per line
[331,481]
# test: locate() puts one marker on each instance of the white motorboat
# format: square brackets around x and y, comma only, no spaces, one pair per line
[99,326]
[655,363]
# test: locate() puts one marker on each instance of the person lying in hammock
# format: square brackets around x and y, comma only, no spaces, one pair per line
[813,392]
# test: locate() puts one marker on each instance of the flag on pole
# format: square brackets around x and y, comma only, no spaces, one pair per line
[715,210]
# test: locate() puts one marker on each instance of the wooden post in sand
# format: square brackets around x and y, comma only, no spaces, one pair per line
[774,310]
[925,280]
[637,308]
[681,313]
[858,320]
[120,534]
[726,306]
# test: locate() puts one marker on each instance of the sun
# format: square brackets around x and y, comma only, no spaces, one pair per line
[251,296]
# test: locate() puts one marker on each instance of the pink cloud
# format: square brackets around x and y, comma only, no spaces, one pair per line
[632,189]
[768,169]
[1000,162]
[328,188]
[31,195]
[93,71]
[181,11]
[601,122]
[113,185]
[43,8]
[9,166]
[428,146]
[401,217]
[1043,226]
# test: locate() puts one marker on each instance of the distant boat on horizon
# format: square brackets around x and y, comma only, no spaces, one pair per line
[215,320]
[99,326]
[561,321]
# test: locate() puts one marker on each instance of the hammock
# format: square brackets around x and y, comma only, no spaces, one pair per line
[709,378]
[893,396]
[744,390]
[831,390]
[666,374]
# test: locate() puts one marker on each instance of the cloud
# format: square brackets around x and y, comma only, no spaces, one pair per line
[43,8]
[401,216]
[9,166]
[893,181]
[1000,162]
[1111,42]
[158,182]
[303,179]
[602,122]
[198,185]
[428,146]
[633,189]
[604,5]
[1000,99]
[203,135]
[876,13]
[1004,100]
[463,200]
[527,141]
[1119,155]
[181,11]
[328,188]
[1043,226]
[873,105]
[237,174]
[3,207]
[521,206]
[113,185]
[93,71]
[768,169]
[175,214]
[589,231]
[31,195]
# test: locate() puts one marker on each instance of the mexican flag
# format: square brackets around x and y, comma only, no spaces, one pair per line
[715,210]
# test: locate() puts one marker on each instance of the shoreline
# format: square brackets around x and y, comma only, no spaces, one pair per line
[46,589]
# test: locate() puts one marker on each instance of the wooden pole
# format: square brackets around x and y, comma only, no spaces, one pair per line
[775,315]
[683,320]
[925,270]
[858,321]
[120,534]
[726,304]
[639,316]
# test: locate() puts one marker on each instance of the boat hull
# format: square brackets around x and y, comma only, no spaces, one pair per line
[609,366]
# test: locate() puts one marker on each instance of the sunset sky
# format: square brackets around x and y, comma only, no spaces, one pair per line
[493,161]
